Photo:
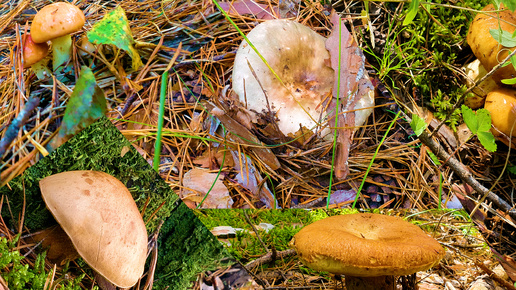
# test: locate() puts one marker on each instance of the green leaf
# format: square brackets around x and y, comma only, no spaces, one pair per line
[433,157]
[86,104]
[512,169]
[417,124]
[114,29]
[510,4]
[509,81]
[503,37]
[470,118]
[483,120]
[411,12]
[487,140]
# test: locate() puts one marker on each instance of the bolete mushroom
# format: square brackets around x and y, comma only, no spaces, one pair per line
[34,57]
[369,249]
[485,47]
[474,72]
[55,22]
[99,215]
[501,105]
[297,55]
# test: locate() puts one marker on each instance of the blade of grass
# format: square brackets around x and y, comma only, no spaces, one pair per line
[374,157]
[334,149]
[157,145]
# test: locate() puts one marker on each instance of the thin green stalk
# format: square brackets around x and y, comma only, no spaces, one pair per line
[374,157]
[334,149]
[162,97]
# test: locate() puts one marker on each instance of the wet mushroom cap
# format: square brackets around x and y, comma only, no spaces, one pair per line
[33,52]
[485,47]
[501,104]
[101,218]
[366,245]
[56,20]
[298,55]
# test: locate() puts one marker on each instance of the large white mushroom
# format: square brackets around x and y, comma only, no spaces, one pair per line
[298,56]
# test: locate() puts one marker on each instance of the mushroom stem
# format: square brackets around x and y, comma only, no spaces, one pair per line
[41,70]
[370,283]
[62,50]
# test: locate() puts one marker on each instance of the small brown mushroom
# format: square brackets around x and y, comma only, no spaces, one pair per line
[55,22]
[102,220]
[485,47]
[297,55]
[34,57]
[369,249]
[501,105]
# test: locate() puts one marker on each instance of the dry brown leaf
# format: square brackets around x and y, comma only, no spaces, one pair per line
[260,11]
[354,83]
[200,181]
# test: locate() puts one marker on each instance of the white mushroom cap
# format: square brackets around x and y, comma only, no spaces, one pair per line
[101,218]
[297,54]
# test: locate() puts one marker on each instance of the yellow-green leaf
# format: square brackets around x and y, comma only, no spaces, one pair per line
[86,104]
[114,29]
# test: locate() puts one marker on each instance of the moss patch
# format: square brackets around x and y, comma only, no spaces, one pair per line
[185,245]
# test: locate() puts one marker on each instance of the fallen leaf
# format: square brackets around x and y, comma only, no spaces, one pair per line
[249,178]
[242,7]
[354,85]
[114,29]
[86,104]
[343,196]
[201,181]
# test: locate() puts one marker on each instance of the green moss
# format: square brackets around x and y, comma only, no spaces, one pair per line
[185,245]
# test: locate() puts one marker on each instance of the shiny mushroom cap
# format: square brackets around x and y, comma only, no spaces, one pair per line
[56,20]
[485,47]
[366,245]
[297,54]
[501,104]
[101,218]
[33,52]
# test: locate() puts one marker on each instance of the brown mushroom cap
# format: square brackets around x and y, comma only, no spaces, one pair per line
[485,47]
[366,245]
[56,20]
[33,52]
[500,104]
[101,218]
[297,54]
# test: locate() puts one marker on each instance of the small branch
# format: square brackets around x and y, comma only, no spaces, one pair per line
[465,175]
[493,276]
[17,124]
[267,258]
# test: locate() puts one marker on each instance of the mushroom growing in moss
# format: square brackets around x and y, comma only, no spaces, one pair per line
[100,217]
[485,47]
[54,23]
[369,249]
[297,55]
[501,104]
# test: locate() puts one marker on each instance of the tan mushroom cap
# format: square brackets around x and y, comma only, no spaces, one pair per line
[56,20]
[366,245]
[33,52]
[297,54]
[101,218]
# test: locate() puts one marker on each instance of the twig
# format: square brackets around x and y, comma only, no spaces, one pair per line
[465,175]
[495,277]
[267,258]
[256,232]
[17,123]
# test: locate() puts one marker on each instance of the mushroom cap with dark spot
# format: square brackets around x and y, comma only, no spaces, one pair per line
[56,20]
[99,215]
[366,245]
